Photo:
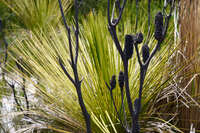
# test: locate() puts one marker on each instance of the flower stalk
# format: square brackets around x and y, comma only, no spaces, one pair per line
[132,41]
[73,62]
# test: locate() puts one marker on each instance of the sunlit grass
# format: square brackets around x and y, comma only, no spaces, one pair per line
[34,14]
[98,61]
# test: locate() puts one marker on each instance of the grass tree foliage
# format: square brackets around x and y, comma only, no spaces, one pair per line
[59,108]
[34,14]
[126,54]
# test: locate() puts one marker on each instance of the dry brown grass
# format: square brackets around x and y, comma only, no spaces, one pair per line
[190,43]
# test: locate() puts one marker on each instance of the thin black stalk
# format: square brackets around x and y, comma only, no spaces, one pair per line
[136,25]
[128,96]
[65,71]
[123,109]
[25,94]
[113,102]
[167,18]
[6,51]
[76,82]
[120,13]
[152,54]
[68,31]
[112,27]
[15,97]
[18,64]
[142,77]
[80,98]
[83,108]
[117,3]
[108,13]
[149,20]
[5,58]
[76,31]
[111,95]
[115,39]
[138,55]
[149,14]
[110,21]
[113,13]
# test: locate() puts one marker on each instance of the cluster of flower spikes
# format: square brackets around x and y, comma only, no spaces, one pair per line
[130,40]
[120,81]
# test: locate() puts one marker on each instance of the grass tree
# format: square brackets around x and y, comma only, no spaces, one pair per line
[95,58]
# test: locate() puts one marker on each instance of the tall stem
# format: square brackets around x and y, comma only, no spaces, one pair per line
[136,25]
[75,80]
[128,96]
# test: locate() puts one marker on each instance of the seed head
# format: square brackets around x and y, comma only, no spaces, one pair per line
[145,52]
[158,26]
[121,79]
[139,38]
[113,82]
[128,50]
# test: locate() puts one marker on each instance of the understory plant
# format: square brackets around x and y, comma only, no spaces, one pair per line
[46,54]
[126,54]
[34,14]
[132,41]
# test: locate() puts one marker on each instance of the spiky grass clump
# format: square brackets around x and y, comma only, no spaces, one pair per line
[37,13]
[98,61]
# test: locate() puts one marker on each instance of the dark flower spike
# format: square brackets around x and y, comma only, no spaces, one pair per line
[128,49]
[138,38]
[113,82]
[121,79]
[145,52]
[158,26]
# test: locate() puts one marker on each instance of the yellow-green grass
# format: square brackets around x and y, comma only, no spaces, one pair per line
[34,14]
[98,61]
